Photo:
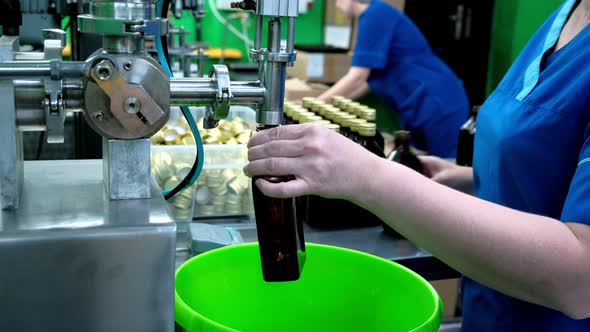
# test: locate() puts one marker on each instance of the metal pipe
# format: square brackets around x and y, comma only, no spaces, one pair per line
[258,37]
[25,69]
[291,35]
[203,91]
[32,92]
[36,69]
[274,35]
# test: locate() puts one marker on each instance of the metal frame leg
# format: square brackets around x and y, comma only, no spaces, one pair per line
[126,168]
[11,150]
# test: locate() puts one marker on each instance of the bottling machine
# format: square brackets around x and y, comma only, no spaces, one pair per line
[89,245]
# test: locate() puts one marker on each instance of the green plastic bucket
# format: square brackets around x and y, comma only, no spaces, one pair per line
[339,290]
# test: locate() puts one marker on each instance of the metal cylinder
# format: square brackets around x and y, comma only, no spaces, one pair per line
[202,91]
[291,35]
[123,45]
[123,10]
[258,37]
[25,69]
[274,35]
[275,74]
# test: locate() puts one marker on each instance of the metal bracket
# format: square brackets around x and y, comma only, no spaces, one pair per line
[119,27]
[130,104]
[55,41]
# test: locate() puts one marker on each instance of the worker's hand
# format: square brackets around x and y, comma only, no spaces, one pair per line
[323,162]
[447,173]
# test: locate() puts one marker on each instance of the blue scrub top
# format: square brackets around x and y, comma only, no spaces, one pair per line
[411,79]
[531,154]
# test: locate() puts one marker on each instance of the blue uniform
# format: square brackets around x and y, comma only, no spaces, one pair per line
[411,79]
[532,151]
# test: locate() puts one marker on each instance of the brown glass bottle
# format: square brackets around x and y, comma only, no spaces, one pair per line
[280,233]
[402,153]
[366,138]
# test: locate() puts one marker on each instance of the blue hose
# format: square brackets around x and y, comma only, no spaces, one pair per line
[186,112]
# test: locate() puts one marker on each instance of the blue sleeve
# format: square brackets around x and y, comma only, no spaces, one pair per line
[376,27]
[577,204]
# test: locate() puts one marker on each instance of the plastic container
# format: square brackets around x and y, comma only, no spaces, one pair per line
[339,290]
[222,190]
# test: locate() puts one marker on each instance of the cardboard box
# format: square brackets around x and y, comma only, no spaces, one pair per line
[296,89]
[338,26]
[448,290]
[320,67]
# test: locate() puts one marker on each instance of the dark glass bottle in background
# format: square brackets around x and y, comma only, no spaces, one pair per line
[280,233]
[402,153]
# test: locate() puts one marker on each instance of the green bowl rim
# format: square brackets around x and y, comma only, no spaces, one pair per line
[438,302]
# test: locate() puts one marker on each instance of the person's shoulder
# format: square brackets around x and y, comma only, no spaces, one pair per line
[382,8]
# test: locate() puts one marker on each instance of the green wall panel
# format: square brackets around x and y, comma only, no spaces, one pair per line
[515,21]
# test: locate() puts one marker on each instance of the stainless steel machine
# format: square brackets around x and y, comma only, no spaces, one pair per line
[89,245]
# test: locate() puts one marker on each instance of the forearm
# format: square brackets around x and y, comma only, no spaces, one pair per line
[461,180]
[350,86]
[516,253]
[361,91]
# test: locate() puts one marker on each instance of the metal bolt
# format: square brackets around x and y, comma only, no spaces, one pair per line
[104,72]
[98,116]
[127,66]
[132,105]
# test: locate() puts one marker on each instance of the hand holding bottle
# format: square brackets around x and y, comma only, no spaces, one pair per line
[323,162]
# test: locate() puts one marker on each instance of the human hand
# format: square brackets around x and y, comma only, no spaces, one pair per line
[323,162]
[447,173]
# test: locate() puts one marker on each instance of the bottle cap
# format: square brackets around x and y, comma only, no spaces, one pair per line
[367,129]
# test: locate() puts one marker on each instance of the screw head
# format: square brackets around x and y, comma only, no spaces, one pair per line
[103,72]
[127,66]
[132,105]
[98,116]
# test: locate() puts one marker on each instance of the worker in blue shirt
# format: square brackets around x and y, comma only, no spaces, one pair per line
[523,239]
[393,59]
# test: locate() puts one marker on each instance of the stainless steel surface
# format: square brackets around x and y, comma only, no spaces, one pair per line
[11,150]
[123,45]
[126,166]
[105,98]
[201,91]
[8,46]
[74,261]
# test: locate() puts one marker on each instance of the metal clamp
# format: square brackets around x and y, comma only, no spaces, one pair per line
[264,55]
[223,98]
[54,42]
[120,27]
